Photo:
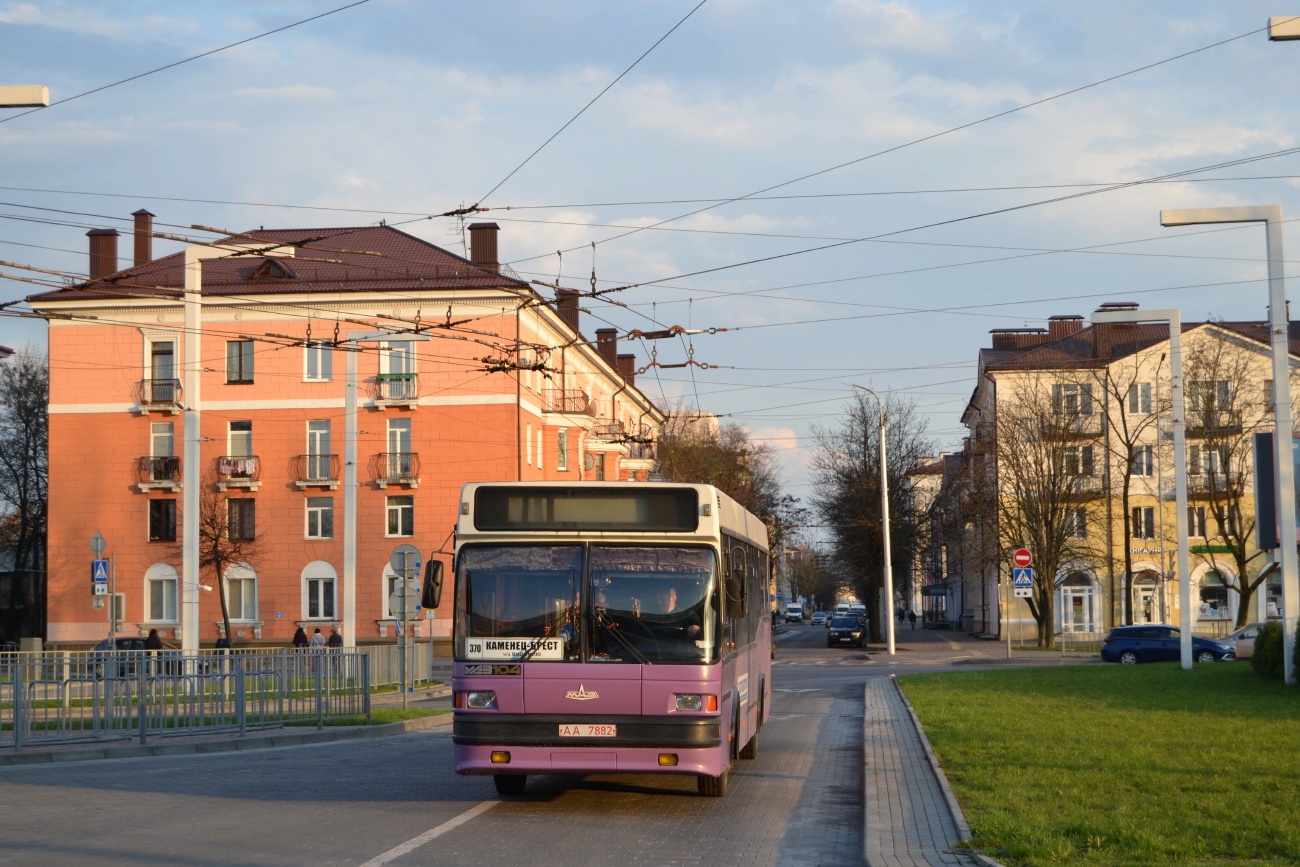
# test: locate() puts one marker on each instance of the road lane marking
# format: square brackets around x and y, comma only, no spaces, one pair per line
[416,842]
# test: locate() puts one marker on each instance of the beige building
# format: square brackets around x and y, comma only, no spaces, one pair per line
[1070,434]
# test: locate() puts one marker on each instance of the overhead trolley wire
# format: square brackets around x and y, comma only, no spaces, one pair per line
[177,63]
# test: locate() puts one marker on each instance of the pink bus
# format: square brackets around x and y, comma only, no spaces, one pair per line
[608,628]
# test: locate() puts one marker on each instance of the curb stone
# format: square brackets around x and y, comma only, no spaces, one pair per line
[949,798]
[234,744]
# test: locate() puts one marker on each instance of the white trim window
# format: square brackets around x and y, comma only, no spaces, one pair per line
[401,516]
[162,439]
[160,584]
[240,439]
[1196,521]
[562,449]
[318,361]
[320,518]
[1076,523]
[1139,398]
[319,583]
[241,592]
[1144,463]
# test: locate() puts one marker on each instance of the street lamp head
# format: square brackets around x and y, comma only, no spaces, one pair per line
[24,96]
[1203,216]
[1284,28]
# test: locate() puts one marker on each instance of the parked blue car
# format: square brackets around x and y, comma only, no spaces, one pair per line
[1155,643]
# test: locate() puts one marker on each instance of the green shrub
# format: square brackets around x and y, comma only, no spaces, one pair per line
[1295,654]
[1267,659]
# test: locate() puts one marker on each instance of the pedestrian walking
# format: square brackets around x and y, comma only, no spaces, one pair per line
[300,639]
[911,616]
[335,639]
[317,640]
[223,644]
[153,642]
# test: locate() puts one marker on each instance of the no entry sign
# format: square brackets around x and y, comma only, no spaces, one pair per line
[1022,557]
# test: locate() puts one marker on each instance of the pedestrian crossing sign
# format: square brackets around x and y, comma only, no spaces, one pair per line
[99,571]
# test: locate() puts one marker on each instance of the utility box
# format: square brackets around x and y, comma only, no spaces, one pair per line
[29,645]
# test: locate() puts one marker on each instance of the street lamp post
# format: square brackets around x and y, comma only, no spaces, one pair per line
[24,96]
[884,524]
[1174,318]
[1279,334]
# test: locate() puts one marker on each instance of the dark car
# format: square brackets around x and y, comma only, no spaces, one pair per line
[846,630]
[124,654]
[1157,643]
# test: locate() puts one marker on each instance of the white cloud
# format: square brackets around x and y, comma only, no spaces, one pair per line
[298,92]
[892,25]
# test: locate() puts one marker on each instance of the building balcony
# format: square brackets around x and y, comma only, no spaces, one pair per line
[606,430]
[396,389]
[239,472]
[1072,426]
[315,471]
[1203,486]
[570,400]
[1224,422]
[158,395]
[158,474]
[396,468]
[1086,487]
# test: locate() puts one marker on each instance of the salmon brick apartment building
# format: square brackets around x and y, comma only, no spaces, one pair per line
[466,403]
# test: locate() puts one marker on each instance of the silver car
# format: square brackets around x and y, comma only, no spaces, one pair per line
[1244,639]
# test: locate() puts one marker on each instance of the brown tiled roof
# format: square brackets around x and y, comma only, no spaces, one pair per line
[406,263]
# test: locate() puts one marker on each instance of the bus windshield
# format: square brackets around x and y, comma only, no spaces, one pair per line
[652,605]
[518,602]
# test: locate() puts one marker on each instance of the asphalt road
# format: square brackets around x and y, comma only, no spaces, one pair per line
[350,803]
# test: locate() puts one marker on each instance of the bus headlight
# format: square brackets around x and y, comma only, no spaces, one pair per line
[482,699]
[690,702]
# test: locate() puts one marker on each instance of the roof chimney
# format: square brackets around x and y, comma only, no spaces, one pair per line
[627,367]
[483,245]
[566,304]
[143,237]
[607,345]
[1063,326]
[103,252]
[1018,338]
[1107,334]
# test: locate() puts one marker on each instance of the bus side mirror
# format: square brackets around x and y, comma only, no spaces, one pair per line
[431,595]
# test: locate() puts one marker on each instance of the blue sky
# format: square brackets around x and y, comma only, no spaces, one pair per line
[416,105]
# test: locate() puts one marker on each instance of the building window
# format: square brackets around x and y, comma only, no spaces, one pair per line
[1144,522]
[528,443]
[1196,521]
[600,466]
[1214,597]
[1211,460]
[162,361]
[162,439]
[562,449]
[1076,523]
[1227,521]
[318,582]
[319,464]
[1071,399]
[239,361]
[539,448]
[241,592]
[1209,397]
[318,361]
[160,591]
[162,520]
[320,517]
[240,444]
[401,516]
[241,519]
[1139,398]
[1144,463]
[1078,461]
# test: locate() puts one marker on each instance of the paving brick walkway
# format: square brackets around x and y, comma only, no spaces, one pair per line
[907,820]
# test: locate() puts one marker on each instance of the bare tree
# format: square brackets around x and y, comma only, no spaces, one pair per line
[846,469]
[226,539]
[1131,408]
[24,482]
[1224,397]
[1047,473]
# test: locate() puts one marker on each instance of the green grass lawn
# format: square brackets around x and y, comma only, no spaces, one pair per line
[378,716]
[1120,765]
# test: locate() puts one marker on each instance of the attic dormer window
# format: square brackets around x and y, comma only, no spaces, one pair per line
[273,269]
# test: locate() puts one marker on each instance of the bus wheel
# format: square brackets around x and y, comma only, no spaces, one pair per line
[750,750]
[712,787]
[510,784]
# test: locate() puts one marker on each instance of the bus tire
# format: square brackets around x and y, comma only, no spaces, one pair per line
[712,787]
[510,784]
[750,750]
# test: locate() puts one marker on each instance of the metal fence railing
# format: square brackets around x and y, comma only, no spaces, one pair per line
[67,697]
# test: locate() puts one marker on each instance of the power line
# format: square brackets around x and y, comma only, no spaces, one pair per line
[643,56]
[186,60]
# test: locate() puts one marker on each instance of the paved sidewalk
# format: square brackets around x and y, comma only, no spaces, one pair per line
[907,821]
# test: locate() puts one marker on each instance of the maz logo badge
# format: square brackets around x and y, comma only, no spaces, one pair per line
[581,694]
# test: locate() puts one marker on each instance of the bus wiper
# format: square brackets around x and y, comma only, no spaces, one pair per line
[533,648]
[641,657]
